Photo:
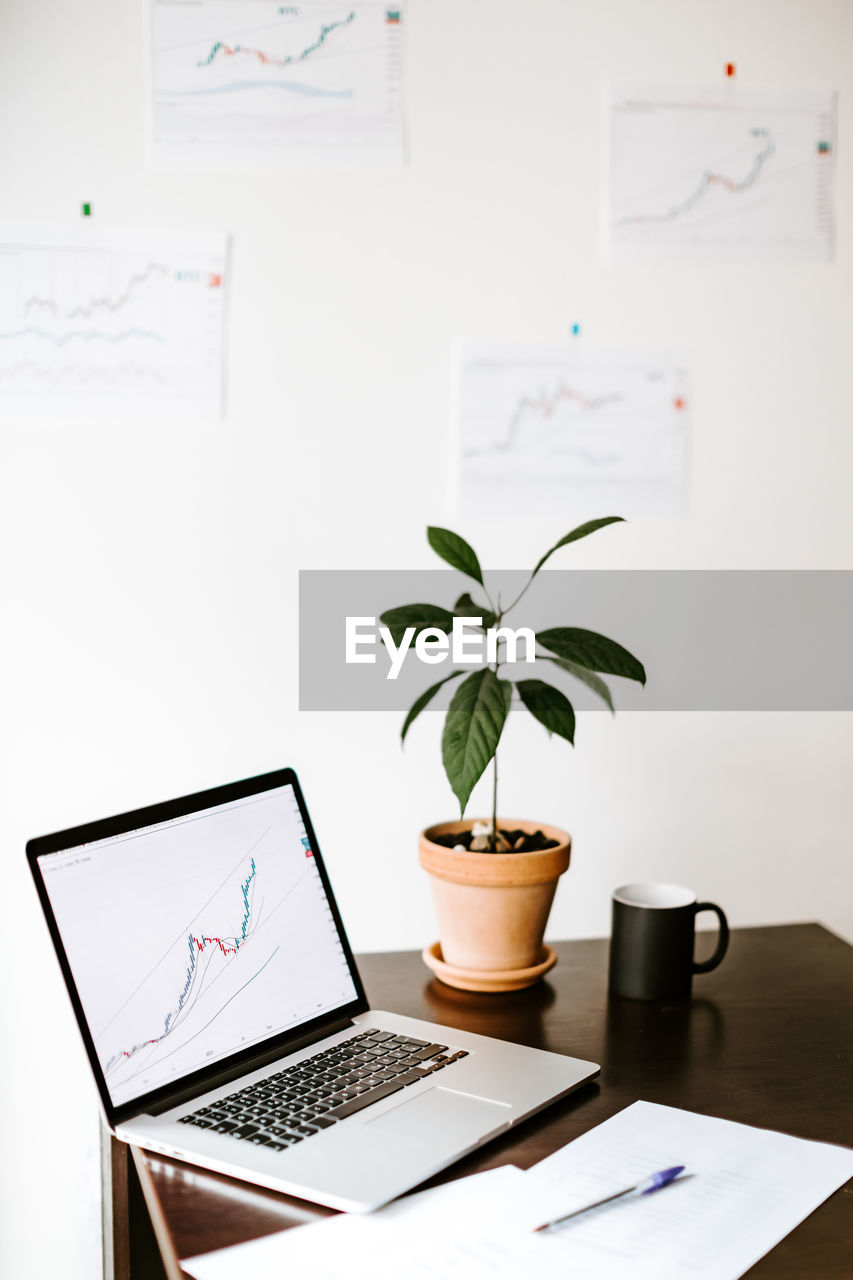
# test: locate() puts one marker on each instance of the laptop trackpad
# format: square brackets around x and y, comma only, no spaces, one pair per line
[446,1112]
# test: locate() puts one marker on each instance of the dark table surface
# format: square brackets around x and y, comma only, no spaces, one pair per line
[767,1040]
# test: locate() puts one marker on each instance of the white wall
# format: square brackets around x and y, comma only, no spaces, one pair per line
[149,574]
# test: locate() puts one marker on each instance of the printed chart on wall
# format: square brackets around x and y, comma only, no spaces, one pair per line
[114,324]
[592,430]
[720,173]
[236,81]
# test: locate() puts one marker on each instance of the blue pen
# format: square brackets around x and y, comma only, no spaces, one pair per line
[644,1188]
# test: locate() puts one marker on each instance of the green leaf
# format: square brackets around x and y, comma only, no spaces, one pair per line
[466,608]
[591,680]
[582,531]
[589,649]
[472,730]
[417,616]
[550,707]
[424,700]
[455,551]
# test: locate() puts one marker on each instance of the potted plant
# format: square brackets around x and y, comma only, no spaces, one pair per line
[493,882]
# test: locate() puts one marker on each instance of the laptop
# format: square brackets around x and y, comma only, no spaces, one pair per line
[225,1020]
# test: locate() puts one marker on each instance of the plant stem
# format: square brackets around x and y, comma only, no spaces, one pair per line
[493,839]
[520,594]
[489,600]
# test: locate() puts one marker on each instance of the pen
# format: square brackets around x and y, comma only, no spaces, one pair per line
[644,1188]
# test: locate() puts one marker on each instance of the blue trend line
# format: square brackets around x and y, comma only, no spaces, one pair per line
[92,335]
[310,91]
[243,988]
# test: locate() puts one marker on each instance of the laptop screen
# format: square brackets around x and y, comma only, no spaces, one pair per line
[194,938]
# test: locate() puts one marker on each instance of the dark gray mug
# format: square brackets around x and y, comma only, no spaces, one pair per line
[651,942]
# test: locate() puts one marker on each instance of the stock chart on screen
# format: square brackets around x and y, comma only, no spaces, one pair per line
[194,939]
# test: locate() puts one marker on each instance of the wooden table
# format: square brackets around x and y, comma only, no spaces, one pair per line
[768,1040]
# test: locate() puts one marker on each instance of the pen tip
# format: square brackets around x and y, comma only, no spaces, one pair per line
[661,1179]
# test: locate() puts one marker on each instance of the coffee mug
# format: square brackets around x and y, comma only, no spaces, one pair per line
[651,943]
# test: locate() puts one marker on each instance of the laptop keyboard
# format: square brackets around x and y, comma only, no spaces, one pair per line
[321,1091]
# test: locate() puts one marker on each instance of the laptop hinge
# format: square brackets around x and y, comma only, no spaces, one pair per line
[260,1060]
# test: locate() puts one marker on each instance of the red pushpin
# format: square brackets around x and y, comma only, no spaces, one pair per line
[730,70]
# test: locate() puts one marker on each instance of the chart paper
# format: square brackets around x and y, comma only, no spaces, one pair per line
[237,82]
[115,324]
[719,173]
[588,431]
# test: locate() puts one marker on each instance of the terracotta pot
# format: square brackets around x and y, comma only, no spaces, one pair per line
[493,907]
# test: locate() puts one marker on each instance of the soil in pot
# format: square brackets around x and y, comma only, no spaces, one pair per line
[511,840]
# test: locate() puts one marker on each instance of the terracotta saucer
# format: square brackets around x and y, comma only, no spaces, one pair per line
[487,979]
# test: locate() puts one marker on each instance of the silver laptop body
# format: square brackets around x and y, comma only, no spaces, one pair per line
[225,1020]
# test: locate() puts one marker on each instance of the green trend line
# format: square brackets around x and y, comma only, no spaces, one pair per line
[268,59]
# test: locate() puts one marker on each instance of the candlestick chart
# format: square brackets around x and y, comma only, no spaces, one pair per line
[192,940]
[237,81]
[587,428]
[207,955]
[720,173]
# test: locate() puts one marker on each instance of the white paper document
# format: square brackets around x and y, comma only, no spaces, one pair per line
[255,83]
[589,429]
[450,1231]
[111,323]
[720,172]
[746,1189]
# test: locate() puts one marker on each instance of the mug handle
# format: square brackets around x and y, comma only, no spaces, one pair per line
[705,966]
